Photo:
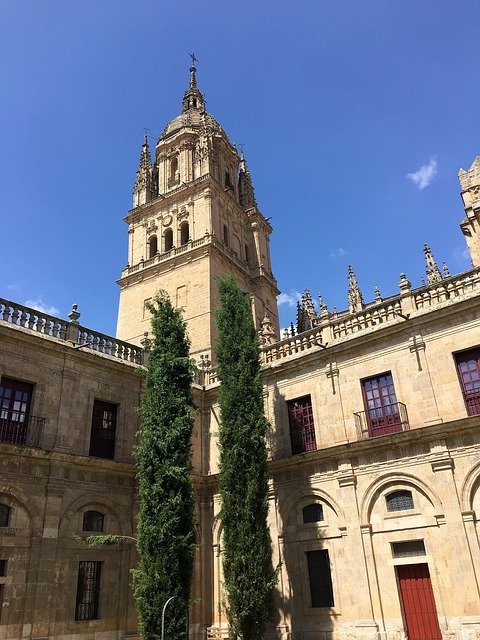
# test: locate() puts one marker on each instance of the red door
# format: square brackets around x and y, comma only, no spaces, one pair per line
[419,611]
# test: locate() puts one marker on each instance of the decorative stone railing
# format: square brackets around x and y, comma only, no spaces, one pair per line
[207,239]
[71,332]
[449,288]
[337,326]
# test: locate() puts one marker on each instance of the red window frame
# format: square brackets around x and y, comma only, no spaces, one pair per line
[302,427]
[15,403]
[104,426]
[381,405]
[468,368]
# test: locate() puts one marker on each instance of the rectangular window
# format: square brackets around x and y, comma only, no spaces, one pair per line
[468,365]
[88,589]
[320,577]
[302,429]
[3,568]
[15,399]
[381,407]
[408,549]
[104,425]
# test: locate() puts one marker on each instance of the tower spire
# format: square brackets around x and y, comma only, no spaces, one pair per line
[433,272]
[355,298]
[143,190]
[193,97]
[245,186]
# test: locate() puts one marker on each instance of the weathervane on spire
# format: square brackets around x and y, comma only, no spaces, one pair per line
[194,59]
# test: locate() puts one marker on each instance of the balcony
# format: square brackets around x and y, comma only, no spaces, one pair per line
[21,430]
[472,400]
[381,421]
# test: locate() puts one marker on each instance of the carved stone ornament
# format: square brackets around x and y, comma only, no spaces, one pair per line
[167,220]
[152,227]
[183,213]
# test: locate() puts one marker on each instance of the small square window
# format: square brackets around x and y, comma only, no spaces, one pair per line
[312,513]
[400,501]
[93,521]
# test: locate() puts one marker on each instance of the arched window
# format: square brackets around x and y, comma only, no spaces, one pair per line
[400,501]
[173,168]
[93,521]
[312,513]
[168,239]
[184,233]
[225,235]
[4,515]
[152,246]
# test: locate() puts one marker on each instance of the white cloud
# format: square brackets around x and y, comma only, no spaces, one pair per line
[290,299]
[13,287]
[423,176]
[462,254]
[338,253]
[39,305]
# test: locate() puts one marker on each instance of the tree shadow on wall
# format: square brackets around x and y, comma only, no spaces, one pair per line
[304,594]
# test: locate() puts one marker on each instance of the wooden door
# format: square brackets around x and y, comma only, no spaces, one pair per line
[418,603]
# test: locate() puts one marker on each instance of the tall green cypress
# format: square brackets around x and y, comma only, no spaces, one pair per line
[166,533]
[243,482]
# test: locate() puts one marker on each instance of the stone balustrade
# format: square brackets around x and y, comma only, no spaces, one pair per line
[70,332]
[336,326]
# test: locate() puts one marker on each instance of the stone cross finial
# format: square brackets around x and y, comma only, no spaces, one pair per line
[378,295]
[355,298]
[433,272]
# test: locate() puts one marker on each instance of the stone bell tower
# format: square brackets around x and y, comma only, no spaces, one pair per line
[194,219]
[470,225]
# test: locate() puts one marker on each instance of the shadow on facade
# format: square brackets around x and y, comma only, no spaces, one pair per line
[304,594]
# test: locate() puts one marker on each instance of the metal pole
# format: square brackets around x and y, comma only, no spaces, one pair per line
[163,617]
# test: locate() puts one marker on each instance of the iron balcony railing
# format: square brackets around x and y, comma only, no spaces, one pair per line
[22,430]
[472,400]
[381,421]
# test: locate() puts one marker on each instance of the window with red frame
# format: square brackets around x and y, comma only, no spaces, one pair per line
[468,365]
[381,407]
[302,428]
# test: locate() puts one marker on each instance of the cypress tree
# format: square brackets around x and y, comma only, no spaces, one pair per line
[166,533]
[243,481]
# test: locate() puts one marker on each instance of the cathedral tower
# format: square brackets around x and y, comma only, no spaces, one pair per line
[470,225]
[194,219]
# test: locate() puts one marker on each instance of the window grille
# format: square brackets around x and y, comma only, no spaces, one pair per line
[3,568]
[408,549]
[4,515]
[312,513]
[400,501]
[93,521]
[104,424]
[88,589]
[320,577]
[468,365]
[302,429]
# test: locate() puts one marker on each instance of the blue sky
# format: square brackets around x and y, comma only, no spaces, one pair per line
[335,103]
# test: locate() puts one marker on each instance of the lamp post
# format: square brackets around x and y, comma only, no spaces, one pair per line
[163,617]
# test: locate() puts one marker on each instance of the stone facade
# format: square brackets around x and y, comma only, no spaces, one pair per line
[374,441]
